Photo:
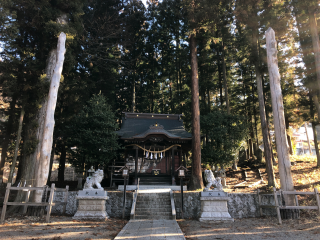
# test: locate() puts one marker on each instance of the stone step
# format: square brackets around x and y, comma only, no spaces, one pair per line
[153,196]
[156,210]
[152,187]
[164,202]
[154,200]
[151,213]
[166,194]
[153,217]
[150,205]
[153,205]
[143,209]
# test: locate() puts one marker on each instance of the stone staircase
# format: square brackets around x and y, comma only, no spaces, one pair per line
[163,180]
[153,205]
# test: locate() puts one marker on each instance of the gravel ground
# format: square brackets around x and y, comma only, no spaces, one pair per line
[64,227]
[252,228]
[60,227]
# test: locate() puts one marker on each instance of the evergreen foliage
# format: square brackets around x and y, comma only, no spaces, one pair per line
[92,138]
[225,133]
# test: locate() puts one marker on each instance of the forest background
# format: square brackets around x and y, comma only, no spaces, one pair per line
[140,58]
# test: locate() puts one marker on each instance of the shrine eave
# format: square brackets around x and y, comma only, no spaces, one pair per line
[138,126]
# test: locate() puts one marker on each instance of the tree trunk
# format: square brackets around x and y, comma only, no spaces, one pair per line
[289,144]
[288,136]
[134,96]
[43,168]
[196,182]
[264,126]
[6,140]
[62,164]
[308,140]
[51,162]
[19,172]
[315,41]
[220,79]
[279,120]
[254,112]
[315,137]
[304,48]
[14,161]
[250,147]
[225,80]
[34,135]
[209,102]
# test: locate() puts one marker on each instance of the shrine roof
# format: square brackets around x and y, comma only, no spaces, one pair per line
[140,125]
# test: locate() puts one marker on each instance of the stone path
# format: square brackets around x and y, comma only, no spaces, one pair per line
[151,229]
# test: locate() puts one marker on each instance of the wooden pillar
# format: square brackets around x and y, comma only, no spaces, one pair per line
[250,148]
[286,181]
[172,169]
[136,168]
[186,158]
[180,157]
[166,163]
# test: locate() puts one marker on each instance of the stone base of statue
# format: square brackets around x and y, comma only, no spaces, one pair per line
[92,205]
[214,206]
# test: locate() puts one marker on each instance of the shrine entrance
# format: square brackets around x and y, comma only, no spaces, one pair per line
[155,145]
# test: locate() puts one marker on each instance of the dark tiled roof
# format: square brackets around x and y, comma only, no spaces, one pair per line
[137,125]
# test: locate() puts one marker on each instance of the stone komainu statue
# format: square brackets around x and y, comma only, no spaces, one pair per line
[94,180]
[211,180]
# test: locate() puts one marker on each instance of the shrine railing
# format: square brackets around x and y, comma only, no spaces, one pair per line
[134,202]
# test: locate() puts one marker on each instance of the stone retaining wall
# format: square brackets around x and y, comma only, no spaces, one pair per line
[113,204]
[240,205]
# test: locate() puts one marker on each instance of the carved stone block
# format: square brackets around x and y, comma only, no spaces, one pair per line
[92,205]
[214,208]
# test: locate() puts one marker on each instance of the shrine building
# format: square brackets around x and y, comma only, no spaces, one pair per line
[154,147]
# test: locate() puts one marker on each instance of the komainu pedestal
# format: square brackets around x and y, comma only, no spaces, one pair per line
[92,205]
[214,206]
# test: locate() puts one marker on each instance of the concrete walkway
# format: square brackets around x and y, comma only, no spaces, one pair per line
[151,229]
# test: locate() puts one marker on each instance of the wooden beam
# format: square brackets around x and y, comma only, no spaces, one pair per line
[5,202]
[136,167]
